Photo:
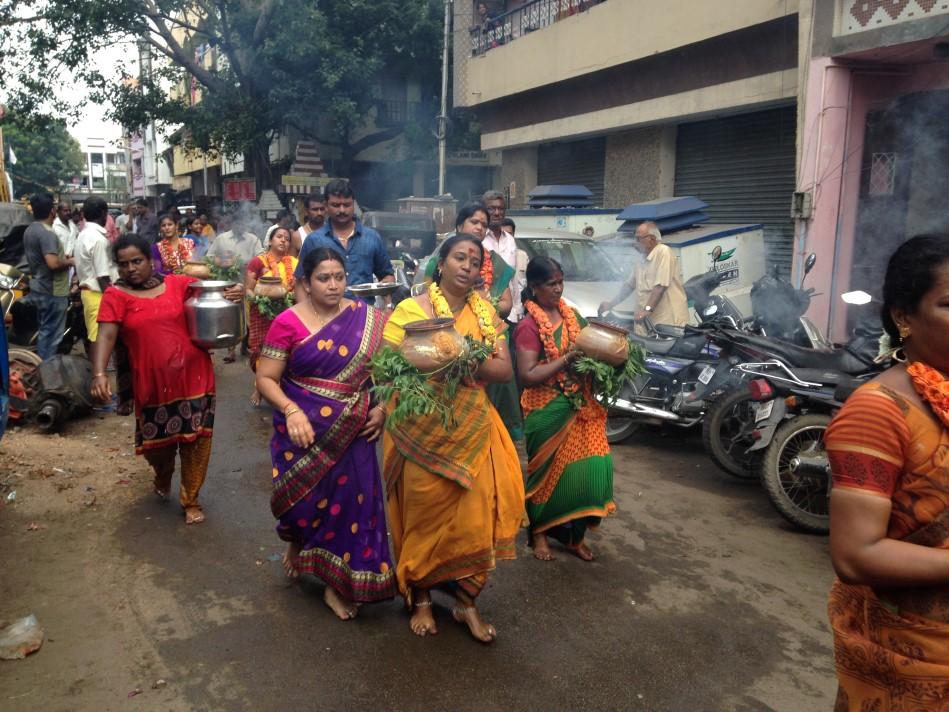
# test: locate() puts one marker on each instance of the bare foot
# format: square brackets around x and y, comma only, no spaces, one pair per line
[344,610]
[541,548]
[161,493]
[481,631]
[422,621]
[255,398]
[290,560]
[581,551]
[193,515]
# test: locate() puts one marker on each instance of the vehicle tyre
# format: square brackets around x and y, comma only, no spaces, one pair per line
[727,434]
[802,496]
[24,356]
[620,428]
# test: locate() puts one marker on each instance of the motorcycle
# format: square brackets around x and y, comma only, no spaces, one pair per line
[779,309]
[729,431]
[683,370]
[794,408]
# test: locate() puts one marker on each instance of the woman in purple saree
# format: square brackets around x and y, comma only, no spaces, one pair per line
[327,494]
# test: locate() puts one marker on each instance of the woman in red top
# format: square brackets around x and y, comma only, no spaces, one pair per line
[172,379]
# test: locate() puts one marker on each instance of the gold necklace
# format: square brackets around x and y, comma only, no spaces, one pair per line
[319,317]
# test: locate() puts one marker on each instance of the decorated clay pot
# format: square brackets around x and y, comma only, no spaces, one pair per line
[270,287]
[431,344]
[604,342]
[197,269]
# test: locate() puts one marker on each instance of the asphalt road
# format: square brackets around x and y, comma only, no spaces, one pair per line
[701,599]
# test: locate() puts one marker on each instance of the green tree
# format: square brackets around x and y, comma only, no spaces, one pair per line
[315,65]
[46,155]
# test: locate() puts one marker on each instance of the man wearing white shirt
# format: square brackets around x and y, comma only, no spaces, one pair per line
[242,246]
[500,239]
[65,228]
[95,269]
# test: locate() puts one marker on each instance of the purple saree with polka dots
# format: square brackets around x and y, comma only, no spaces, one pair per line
[328,497]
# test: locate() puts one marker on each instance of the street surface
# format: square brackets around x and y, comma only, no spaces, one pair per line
[701,598]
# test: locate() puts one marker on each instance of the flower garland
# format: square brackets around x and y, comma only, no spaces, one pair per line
[487,271]
[174,259]
[478,306]
[932,387]
[552,349]
[273,267]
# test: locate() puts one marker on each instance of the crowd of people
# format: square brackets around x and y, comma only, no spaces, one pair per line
[455,498]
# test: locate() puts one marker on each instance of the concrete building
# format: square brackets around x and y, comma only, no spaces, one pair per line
[106,170]
[639,100]
[874,139]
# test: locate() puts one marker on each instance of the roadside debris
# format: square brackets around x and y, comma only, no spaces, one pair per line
[20,638]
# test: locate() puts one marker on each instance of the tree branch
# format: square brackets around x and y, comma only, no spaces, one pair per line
[173,49]
[266,12]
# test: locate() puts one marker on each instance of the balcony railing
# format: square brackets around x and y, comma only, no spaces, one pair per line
[530,17]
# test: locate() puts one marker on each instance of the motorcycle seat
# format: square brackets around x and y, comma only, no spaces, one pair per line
[668,331]
[839,359]
[654,345]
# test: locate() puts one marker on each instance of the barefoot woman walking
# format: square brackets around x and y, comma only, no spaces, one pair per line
[327,491]
[570,468]
[456,497]
[172,380]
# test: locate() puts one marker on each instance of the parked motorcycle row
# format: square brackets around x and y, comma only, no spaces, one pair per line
[763,388]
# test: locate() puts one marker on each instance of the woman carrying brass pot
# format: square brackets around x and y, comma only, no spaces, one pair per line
[269,275]
[456,497]
[171,379]
[570,468]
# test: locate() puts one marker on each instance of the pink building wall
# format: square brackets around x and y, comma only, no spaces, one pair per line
[837,100]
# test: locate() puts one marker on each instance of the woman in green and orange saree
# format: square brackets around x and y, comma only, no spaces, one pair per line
[569,468]
[494,285]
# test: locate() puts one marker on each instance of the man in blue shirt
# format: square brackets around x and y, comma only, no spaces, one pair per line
[367,259]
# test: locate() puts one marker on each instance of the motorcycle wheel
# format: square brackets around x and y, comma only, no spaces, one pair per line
[803,498]
[620,428]
[726,434]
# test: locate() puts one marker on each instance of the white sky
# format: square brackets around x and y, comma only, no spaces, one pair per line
[92,124]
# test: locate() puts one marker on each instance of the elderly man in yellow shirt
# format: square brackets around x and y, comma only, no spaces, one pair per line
[656,280]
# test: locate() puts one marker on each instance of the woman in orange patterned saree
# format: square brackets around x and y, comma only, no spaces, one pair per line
[569,468]
[456,497]
[889,452]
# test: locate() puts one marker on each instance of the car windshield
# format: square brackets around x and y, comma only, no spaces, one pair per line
[581,260]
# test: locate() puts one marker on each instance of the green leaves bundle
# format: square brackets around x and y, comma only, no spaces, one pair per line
[234,273]
[607,381]
[268,307]
[417,394]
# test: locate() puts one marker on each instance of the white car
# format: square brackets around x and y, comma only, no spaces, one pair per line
[590,275]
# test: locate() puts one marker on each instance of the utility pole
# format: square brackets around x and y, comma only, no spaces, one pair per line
[441,131]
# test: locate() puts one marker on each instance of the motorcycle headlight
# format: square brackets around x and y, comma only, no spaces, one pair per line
[710,310]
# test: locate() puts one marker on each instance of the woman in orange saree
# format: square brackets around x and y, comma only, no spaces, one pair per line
[889,453]
[455,497]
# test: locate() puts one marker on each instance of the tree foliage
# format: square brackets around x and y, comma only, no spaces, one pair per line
[316,65]
[47,156]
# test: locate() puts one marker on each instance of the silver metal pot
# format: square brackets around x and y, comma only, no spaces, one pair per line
[213,321]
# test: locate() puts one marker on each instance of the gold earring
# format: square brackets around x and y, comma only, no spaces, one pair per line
[905,331]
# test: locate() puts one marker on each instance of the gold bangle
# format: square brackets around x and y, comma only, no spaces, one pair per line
[288,413]
[288,406]
[96,375]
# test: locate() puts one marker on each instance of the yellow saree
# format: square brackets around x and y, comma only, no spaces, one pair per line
[455,513]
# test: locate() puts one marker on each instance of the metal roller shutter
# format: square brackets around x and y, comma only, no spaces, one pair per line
[744,168]
[574,163]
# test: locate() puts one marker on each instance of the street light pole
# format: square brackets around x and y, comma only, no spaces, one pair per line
[443,116]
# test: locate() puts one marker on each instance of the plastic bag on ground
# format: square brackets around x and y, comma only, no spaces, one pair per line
[20,638]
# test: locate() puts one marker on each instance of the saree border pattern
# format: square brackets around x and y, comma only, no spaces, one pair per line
[361,586]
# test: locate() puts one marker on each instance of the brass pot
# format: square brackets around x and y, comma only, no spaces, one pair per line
[431,344]
[604,342]
[270,287]
[197,269]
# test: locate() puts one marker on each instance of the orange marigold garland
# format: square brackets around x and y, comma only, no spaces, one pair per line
[553,350]
[174,259]
[487,271]
[932,387]
[273,266]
